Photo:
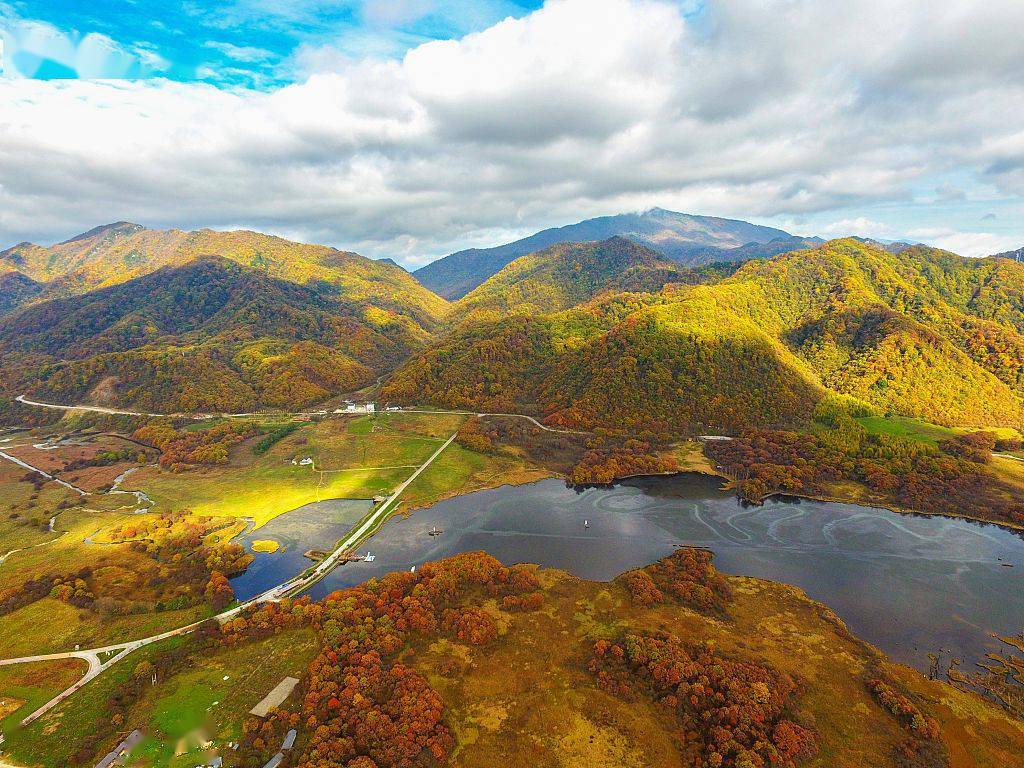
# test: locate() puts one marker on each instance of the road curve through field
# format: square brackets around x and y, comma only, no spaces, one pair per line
[289,588]
[369,525]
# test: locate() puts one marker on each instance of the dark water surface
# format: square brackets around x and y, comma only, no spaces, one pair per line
[907,584]
[320,525]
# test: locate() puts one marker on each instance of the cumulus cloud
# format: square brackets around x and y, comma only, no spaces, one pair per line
[861,227]
[974,243]
[756,108]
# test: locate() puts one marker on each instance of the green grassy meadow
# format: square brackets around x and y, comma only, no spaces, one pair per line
[26,687]
[917,429]
[179,713]
[355,458]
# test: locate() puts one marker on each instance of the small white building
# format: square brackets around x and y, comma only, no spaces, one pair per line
[357,408]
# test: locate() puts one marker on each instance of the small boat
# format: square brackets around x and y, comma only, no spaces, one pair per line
[369,557]
[413,569]
[586,523]
[434,531]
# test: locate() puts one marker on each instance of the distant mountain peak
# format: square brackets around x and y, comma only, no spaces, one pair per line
[682,237]
[117,228]
[1016,255]
[12,252]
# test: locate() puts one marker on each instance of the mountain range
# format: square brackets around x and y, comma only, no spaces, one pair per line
[606,332]
[1015,255]
[175,320]
[567,274]
[913,331]
[681,237]
[117,253]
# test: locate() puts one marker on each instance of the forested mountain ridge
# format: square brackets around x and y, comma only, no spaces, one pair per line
[567,274]
[919,332]
[117,253]
[207,335]
[585,334]
[755,250]
[619,361]
[678,236]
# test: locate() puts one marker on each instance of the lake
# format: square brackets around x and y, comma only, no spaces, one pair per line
[908,584]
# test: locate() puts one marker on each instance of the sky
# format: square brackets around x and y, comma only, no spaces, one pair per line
[412,128]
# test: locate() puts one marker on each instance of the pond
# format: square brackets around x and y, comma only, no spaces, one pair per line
[908,584]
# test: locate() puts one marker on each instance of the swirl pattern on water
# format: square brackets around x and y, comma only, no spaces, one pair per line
[908,584]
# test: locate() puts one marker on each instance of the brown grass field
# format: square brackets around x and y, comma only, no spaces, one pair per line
[529,700]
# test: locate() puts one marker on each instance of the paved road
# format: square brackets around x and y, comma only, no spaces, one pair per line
[116,412]
[100,409]
[480,415]
[290,587]
[375,519]
[118,651]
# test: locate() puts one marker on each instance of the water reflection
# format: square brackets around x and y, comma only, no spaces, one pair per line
[907,584]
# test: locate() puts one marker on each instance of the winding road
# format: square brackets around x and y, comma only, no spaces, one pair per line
[47,475]
[198,416]
[141,498]
[116,412]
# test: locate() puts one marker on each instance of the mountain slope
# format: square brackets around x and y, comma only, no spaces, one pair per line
[678,236]
[755,250]
[567,274]
[920,332]
[116,253]
[207,335]
[16,289]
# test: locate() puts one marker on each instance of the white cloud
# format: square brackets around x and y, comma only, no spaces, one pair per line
[243,53]
[756,108]
[860,227]
[973,243]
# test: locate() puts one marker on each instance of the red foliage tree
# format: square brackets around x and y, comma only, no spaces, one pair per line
[731,712]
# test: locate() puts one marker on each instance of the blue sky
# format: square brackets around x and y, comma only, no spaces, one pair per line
[250,43]
[412,128]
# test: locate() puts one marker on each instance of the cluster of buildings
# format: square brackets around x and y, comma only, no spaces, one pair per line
[350,407]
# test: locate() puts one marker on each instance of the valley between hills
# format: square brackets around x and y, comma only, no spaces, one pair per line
[655,489]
